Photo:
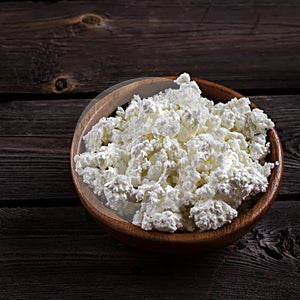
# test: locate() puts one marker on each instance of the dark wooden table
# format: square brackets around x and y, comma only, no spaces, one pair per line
[55,57]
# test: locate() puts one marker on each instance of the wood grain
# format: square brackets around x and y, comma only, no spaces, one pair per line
[62,253]
[35,145]
[86,46]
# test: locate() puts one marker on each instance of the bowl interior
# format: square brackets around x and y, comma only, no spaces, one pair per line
[103,106]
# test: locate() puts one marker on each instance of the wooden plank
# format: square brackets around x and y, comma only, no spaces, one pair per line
[62,253]
[285,112]
[40,117]
[35,139]
[86,46]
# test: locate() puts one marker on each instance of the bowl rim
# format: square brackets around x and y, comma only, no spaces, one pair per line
[240,225]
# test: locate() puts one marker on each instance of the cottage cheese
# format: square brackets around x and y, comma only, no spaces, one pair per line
[176,160]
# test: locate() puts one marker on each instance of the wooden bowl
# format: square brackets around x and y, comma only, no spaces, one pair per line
[176,243]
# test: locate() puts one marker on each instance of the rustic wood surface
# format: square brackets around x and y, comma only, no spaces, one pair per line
[55,57]
[60,252]
[77,46]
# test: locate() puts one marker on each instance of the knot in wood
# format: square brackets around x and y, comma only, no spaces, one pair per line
[91,20]
[61,84]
